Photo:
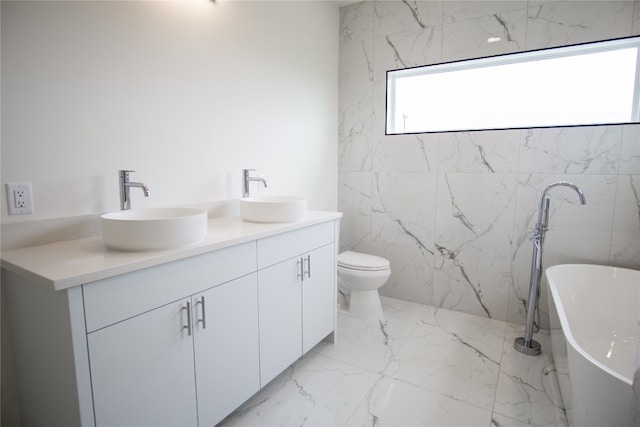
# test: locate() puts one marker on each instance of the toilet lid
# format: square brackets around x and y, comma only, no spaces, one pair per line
[360,261]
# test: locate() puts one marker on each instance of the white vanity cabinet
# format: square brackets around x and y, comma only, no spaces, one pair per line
[296,293]
[180,342]
[144,368]
[150,380]
[226,348]
[319,296]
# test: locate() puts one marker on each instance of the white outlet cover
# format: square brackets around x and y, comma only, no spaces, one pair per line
[19,198]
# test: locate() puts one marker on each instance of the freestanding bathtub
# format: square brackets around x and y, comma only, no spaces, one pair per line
[594,316]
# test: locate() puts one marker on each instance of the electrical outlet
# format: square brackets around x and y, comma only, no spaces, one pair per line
[19,198]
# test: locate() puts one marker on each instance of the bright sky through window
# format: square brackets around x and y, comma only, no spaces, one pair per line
[595,83]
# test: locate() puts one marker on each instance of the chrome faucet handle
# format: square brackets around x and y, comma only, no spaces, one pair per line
[545,222]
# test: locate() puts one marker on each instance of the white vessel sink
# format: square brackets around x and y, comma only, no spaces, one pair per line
[273,209]
[154,228]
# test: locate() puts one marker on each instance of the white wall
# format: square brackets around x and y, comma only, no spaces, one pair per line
[187,93]
[453,211]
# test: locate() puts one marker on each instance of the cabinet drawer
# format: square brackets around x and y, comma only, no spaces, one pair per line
[275,249]
[117,298]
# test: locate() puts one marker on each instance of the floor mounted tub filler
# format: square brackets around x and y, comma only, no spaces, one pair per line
[594,313]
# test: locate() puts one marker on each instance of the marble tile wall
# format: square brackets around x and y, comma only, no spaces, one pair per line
[453,211]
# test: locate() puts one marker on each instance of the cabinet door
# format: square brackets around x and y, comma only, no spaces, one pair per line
[318,296]
[226,347]
[280,313]
[142,370]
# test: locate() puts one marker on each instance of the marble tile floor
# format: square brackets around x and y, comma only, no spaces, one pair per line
[423,366]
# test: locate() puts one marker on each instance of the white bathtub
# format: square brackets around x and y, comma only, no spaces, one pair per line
[594,314]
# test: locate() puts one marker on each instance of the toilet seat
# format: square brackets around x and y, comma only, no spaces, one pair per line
[362,262]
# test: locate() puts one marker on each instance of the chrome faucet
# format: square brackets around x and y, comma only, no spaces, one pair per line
[125,185]
[527,344]
[247,178]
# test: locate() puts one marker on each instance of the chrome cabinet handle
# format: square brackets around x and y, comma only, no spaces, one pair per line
[204,313]
[300,268]
[308,259]
[188,325]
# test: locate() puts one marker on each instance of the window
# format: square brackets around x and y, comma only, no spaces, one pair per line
[586,84]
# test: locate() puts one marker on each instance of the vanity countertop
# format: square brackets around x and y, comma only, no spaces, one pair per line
[62,265]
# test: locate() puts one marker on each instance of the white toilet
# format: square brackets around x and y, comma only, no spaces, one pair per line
[361,275]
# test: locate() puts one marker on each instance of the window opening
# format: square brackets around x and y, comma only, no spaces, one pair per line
[586,84]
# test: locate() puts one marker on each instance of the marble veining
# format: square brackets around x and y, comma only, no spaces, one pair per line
[406,153]
[505,27]
[422,366]
[479,152]
[413,7]
[477,291]
[562,23]
[398,59]
[468,38]
[626,225]
[457,10]
[453,211]
[464,268]
[356,22]
[630,152]
[549,150]
[398,16]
